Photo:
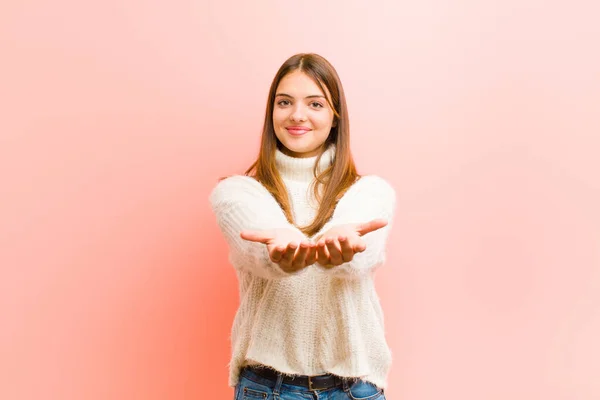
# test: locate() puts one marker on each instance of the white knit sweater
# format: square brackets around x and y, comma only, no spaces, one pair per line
[317,320]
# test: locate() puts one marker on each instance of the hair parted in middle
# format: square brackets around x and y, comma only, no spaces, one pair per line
[331,183]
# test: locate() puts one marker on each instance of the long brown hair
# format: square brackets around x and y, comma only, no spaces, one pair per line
[331,183]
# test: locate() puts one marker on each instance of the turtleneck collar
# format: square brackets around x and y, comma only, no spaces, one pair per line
[301,169]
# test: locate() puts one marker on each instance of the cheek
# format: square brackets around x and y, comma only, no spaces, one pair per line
[278,117]
[324,120]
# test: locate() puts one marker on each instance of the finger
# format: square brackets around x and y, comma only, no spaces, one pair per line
[256,236]
[359,247]
[288,254]
[300,257]
[368,227]
[347,250]
[277,253]
[311,254]
[322,254]
[335,254]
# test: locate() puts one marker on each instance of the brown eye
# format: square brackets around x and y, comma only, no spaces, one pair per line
[316,104]
[283,103]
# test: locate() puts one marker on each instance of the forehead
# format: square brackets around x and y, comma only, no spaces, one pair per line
[299,84]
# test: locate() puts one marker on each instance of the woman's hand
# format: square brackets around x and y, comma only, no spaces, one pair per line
[339,244]
[287,248]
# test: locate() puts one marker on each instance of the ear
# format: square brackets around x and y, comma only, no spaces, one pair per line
[334,124]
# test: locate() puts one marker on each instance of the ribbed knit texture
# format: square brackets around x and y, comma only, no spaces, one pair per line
[318,320]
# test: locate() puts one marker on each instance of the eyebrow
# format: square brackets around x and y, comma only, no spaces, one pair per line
[307,97]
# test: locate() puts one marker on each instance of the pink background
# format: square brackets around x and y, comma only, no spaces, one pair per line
[117,117]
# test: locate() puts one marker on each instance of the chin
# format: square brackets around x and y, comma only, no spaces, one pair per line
[297,149]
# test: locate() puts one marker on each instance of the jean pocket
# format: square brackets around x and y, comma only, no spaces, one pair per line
[363,390]
[248,389]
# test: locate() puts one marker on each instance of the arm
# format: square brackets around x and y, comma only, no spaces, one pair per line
[368,199]
[240,204]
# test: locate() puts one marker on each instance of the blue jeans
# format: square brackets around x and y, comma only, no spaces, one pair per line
[253,386]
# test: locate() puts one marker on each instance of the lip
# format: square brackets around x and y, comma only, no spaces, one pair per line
[297,130]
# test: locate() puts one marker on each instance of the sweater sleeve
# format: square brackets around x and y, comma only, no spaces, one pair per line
[241,203]
[368,199]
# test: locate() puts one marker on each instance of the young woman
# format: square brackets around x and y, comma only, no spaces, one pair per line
[305,235]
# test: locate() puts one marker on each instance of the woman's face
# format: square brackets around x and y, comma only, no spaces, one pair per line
[302,117]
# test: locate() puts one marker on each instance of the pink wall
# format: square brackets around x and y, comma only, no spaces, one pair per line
[118,117]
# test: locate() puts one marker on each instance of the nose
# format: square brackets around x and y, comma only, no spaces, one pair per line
[298,114]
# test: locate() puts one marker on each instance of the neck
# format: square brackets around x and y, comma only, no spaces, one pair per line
[302,169]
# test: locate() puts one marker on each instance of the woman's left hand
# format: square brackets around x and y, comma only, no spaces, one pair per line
[339,244]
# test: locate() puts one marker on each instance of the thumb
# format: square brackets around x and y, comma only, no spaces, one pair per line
[256,236]
[367,227]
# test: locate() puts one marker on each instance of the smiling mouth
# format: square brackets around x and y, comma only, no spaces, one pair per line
[297,130]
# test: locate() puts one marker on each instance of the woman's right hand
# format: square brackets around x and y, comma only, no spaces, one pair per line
[287,248]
